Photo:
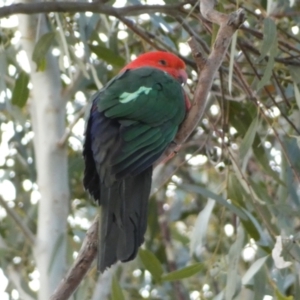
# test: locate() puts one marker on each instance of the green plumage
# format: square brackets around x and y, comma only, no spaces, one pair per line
[133,120]
[154,113]
[162,103]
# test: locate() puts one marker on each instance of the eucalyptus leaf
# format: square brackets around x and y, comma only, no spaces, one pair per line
[249,138]
[231,62]
[233,283]
[269,37]
[267,74]
[21,91]
[200,228]
[297,94]
[254,268]
[218,198]
[151,264]
[295,71]
[108,56]
[280,296]
[41,48]
[3,68]
[252,227]
[186,272]
[116,291]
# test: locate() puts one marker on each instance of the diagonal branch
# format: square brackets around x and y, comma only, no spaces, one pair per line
[95,7]
[81,265]
[63,140]
[23,227]
[228,25]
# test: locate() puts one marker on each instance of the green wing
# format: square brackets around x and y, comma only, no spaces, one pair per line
[148,104]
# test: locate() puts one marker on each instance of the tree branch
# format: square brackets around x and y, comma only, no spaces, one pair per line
[228,25]
[95,7]
[15,278]
[81,265]
[63,140]
[23,227]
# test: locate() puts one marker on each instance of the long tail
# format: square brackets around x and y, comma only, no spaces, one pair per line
[123,219]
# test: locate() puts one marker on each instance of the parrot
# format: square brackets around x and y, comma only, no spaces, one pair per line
[132,120]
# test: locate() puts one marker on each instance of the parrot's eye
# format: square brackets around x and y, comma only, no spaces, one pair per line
[162,62]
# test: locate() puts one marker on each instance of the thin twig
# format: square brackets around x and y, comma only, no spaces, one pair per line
[64,138]
[191,32]
[14,274]
[72,88]
[149,38]
[24,228]
[267,91]
[262,112]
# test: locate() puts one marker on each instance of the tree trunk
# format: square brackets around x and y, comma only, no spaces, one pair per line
[48,121]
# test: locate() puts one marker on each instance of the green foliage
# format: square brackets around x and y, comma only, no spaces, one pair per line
[269,38]
[151,263]
[217,206]
[20,91]
[186,272]
[249,138]
[116,291]
[107,55]
[41,49]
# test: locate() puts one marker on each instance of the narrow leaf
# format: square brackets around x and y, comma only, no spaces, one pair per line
[21,92]
[295,71]
[186,272]
[233,283]
[237,194]
[107,55]
[252,226]
[297,94]
[297,138]
[198,236]
[3,68]
[218,198]
[235,191]
[279,296]
[151,263]
[249,138]
[269,37]
[255,267]
[116,291]
[270,6]
[269,46]
[231,62]
[41,48]
[267,74]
